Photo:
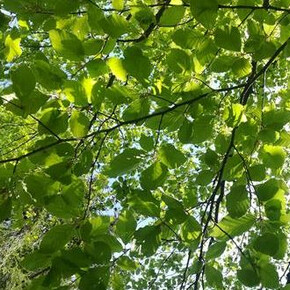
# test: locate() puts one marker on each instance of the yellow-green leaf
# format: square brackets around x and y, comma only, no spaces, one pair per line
[12,48]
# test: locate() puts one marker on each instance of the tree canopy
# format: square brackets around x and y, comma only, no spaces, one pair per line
[144,144]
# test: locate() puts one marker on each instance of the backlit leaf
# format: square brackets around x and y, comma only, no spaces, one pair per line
[230,227]
[228,38]
[79,124]
[267,244]
[170,156]
[56,238]
[204,11]
[12,48]
[66,44]
[127,161]
[154,176]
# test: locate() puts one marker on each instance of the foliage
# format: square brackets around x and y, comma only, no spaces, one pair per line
[144,144]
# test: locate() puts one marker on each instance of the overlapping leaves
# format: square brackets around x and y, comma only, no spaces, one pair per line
[147,126]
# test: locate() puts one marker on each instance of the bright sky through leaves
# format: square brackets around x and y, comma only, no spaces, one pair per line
[144,144]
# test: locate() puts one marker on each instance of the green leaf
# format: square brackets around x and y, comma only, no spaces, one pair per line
[267,244]
[4,20]
[125,263]
[269,276]
[118,94]
[241,67]
[214,277]
[153,176]
[269,189]
[222,64]
[49,76]
[95,15]
[170,121]
[56,238]
[60,171]
[23,81]
[175,212]
[228,38]
[117,67]
[283,245]
[95,227]
[117,281]
[95,279]
[248,277]
[125,162]
[36,260]
[84,164]
[273,209]
[190,196]
[216,250]
[268,135]
[97,67]
[146,142]
[149,239]
[75,93]
[66,44]
[144,15]
[187,38]
[76,257]
[53,121]
[178,60]
[144,203]
[257,172]
[273,156]
[12,47]
[190,230]
[118,4]
[231,227]
[65,7]
[237,201]
[39,186]
[137,64]
[172,16]
[204,177]
[99,251]
[265,50]
[276,119]
[233,168]
[206,51]
[67,203]
[137,109]
[126,226]
[170,156]
[115,25]
[5,207]
[234,115]
[211,158]
[79,124]
[202,129]
[27,105]
[92,46]
[204,12]
[185,132]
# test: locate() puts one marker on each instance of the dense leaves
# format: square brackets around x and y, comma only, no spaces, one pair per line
[144,144]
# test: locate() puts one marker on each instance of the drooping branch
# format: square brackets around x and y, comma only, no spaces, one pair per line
[91,179]
[151,27]
[162,112]
[167,110]
[183,283]
[269,7]
[243,100]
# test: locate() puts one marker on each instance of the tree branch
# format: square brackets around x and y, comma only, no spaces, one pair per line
[270,7]
[151,27]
